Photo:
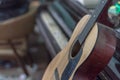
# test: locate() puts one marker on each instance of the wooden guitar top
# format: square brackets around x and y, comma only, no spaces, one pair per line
[56,68]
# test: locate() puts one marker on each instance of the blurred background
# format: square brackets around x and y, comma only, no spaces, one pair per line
[32,32]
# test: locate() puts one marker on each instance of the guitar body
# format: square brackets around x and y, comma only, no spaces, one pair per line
[97,50]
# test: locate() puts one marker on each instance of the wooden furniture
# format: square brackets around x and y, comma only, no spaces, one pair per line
[13,33]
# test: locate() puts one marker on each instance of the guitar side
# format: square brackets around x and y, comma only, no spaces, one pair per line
[100,56]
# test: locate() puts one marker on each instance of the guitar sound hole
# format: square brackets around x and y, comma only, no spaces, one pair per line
[75,49]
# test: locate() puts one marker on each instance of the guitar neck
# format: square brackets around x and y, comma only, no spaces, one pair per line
[92,20]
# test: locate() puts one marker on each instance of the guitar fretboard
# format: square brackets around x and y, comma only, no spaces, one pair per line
[92,20]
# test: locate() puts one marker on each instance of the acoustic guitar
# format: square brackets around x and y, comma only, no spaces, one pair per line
[88,51]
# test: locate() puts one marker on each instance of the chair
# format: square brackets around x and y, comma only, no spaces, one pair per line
[13,33]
